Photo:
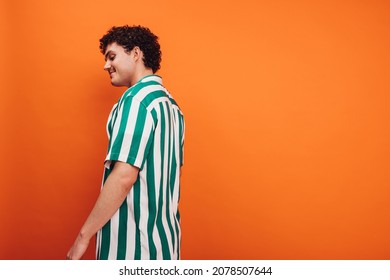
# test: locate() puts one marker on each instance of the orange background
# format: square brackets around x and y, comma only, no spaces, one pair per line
[287,113]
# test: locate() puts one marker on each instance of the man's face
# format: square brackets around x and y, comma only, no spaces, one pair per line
[119,65]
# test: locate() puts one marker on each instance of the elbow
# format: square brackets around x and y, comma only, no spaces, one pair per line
[126,183]
[126,175]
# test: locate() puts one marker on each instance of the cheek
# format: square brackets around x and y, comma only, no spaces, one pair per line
[120,67]
[126,70]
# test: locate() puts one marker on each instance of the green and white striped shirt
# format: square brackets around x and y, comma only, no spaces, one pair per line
[145,129]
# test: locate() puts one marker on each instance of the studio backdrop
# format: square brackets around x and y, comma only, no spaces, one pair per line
[287,123]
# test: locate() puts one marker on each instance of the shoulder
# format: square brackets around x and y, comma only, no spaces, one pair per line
[148,93]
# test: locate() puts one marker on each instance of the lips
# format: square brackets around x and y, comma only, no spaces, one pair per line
[111,73]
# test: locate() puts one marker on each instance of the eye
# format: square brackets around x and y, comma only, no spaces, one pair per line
[111,57]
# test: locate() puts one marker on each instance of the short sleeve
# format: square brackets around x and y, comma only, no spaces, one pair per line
[132,134]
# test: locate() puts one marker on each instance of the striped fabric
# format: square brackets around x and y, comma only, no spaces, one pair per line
[145,129]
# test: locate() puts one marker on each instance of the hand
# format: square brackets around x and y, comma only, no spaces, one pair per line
[78,249]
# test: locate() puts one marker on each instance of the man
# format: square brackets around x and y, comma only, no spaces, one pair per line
[136,214]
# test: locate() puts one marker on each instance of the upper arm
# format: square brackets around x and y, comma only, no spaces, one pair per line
[131,134]
[126,173]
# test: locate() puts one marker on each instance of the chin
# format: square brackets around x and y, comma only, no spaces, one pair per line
[116,84]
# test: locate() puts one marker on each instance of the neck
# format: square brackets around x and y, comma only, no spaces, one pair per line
[140,74]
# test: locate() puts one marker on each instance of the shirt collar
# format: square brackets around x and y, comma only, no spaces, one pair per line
[150,78]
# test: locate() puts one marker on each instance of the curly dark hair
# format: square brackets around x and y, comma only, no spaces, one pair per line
[131,36]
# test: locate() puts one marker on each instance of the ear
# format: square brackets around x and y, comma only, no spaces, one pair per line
[137,53]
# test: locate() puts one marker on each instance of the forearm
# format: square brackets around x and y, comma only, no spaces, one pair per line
[114,192]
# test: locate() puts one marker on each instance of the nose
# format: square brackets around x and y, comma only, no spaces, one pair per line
[107,66]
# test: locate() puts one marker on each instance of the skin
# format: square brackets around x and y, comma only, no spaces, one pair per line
[125,69]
